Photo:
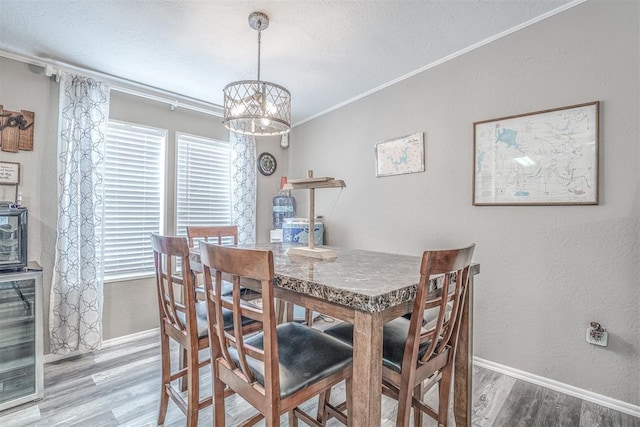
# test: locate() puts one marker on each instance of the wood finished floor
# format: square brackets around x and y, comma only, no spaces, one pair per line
[119,386]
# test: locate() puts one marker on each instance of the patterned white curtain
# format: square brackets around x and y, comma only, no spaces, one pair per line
[243,186]
[75,315]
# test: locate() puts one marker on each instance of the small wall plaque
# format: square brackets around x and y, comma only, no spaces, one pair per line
[16,130]
[9,173]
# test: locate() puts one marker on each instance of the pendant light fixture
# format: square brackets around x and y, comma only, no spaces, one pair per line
[256,107]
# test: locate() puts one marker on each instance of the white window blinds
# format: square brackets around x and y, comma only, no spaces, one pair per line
[133,199]
[203,182]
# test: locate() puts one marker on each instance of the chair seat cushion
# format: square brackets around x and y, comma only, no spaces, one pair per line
[393,340]
[201,318]
[431,316]
[306,355]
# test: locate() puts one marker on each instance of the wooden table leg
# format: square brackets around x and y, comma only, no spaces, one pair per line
[463,371]
[367,369]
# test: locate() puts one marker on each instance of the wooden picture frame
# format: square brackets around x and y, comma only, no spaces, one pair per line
[547,157]
[399,156]
[9,173]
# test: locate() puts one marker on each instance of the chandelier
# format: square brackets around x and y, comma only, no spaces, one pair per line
[256,107]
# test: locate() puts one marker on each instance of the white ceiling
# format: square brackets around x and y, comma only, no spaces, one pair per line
[326,52]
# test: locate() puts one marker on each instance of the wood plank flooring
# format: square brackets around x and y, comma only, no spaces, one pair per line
[119,386]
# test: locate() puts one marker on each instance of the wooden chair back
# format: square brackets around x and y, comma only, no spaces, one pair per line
[220,235]
[434,364]
[176,293]
[240,264]
[453,268]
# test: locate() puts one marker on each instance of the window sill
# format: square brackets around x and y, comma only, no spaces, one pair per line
[127,277]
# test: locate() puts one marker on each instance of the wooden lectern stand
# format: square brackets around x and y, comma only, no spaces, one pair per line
[310,183]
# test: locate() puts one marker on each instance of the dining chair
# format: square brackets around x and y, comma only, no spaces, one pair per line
[219,234]
[228,235]
[278,368]
[183,320]
[418,354]
[179,322]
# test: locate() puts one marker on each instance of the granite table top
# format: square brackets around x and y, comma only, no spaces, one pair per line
[365,280]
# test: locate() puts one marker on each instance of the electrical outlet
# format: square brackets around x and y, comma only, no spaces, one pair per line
[597,335]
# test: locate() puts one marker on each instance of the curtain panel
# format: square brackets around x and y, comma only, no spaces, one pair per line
[75,315]
[243,185]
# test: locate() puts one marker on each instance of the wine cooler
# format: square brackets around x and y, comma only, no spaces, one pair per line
[21,360]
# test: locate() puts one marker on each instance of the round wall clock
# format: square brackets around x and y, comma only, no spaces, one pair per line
[266,164]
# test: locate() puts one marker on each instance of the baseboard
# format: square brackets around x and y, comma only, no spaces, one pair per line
[131,337]
[587,395]
[49,358]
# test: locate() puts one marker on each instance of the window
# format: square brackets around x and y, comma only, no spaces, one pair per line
[203,182]
[133,197]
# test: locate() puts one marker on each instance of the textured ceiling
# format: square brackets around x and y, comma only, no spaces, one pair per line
[325,52]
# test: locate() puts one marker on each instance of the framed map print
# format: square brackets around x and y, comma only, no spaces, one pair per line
[400,155]
[544,158]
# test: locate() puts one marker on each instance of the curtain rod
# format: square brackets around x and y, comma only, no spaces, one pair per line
[120,84]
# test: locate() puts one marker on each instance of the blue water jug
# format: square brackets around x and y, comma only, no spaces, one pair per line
[284,205]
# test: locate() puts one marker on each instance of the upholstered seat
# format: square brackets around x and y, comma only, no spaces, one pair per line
[394,339]
[305,355]
[203,324]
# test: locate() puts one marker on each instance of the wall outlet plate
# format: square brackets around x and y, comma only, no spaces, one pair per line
[597,338]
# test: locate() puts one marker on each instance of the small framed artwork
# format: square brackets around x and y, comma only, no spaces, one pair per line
[546,157]
[9,173]
[400,155]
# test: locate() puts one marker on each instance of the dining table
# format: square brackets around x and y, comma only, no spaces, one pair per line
[367,289]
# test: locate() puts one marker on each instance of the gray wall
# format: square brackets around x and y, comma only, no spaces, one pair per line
[20,89]
[129,306]
[546,271]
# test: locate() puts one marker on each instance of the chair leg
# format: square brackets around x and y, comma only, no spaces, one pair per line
[444,388]
[293,420]
[271,417]
[308,317]
[193,388]
[166,375]
[289,312]
[404,406]
[280,309]
[323,399]
[184,359]
[218,397]
[418,392]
